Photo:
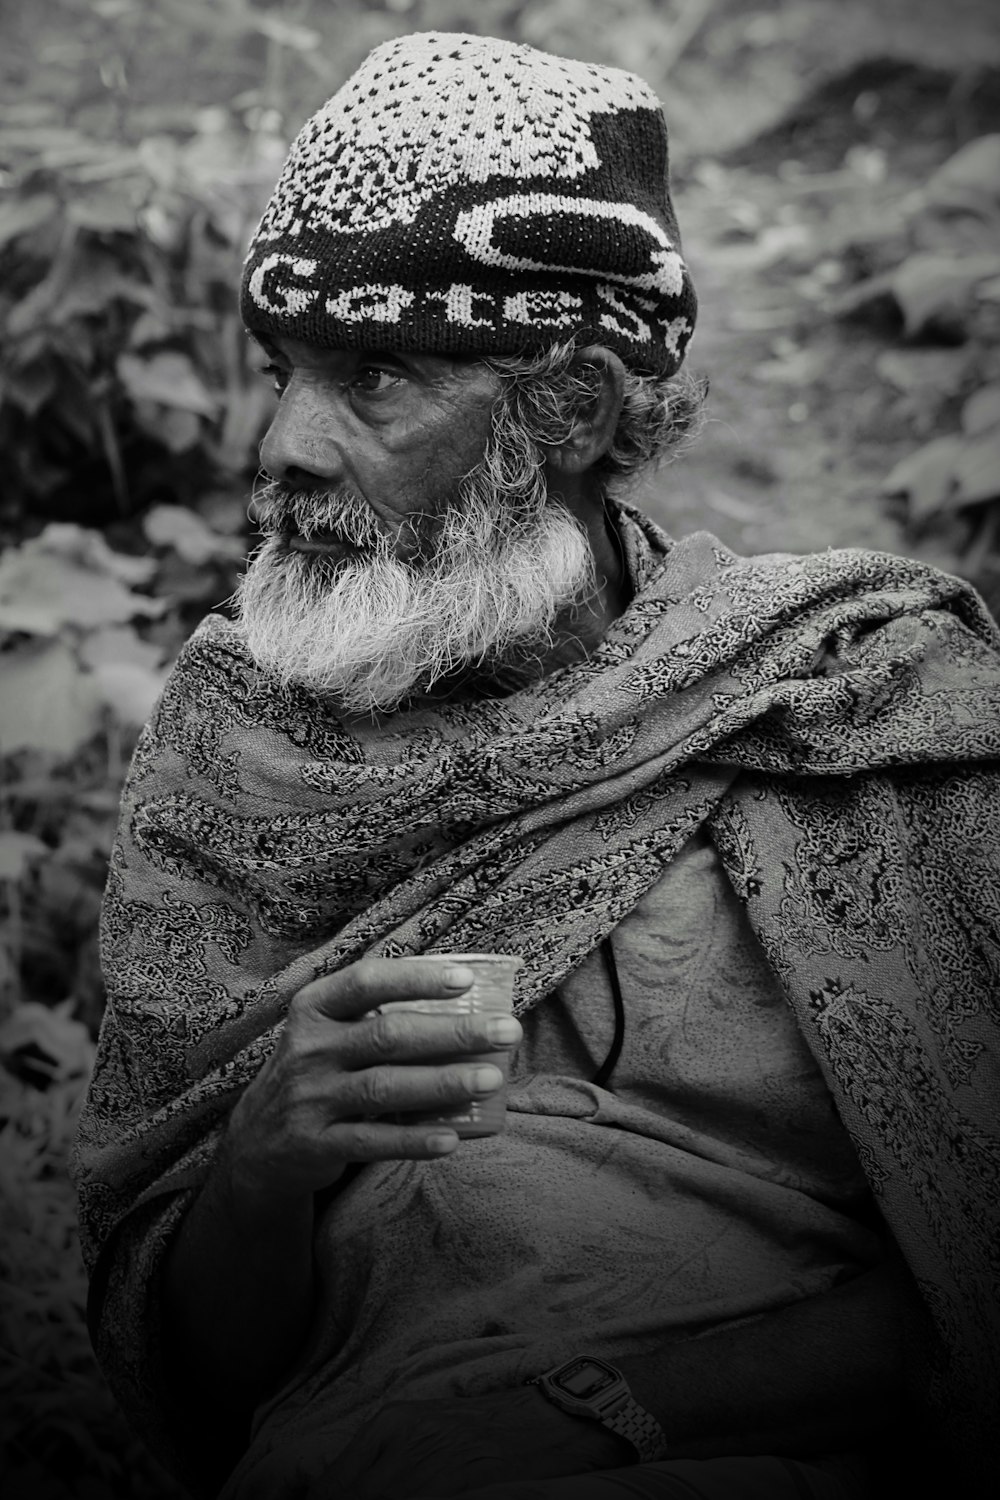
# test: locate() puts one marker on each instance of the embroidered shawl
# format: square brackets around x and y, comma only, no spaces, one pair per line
[833,720]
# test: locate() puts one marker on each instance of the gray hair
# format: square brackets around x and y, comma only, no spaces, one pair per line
[546,392]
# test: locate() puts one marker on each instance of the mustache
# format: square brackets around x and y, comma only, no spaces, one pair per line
[340,513]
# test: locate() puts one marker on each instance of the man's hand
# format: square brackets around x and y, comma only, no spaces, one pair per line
[340,1072]
[239,1278]
[435,1449]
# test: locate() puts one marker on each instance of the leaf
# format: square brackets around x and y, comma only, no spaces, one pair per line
[50,1038]
[41,591]
[982,411]
[178,431]
[150,328]
[86,546]
[969,180]
[105,213]
[168,378]
[928,287]
[189,536]
[35,309]
[95,286]
[798,368]
[977,471]
[867,294]
[128,672]
[926,476]
[285,33]
[41,138]
[25,112]
[940,371]
[129,690]
[248,409]
[226,512]
[32,385]
[119,645]
[46,701]
[22,215]
[17,851]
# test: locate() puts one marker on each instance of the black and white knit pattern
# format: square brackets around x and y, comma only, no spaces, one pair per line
[462,194]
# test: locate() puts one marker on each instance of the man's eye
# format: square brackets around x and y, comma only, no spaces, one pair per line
[278,375]
[372,378]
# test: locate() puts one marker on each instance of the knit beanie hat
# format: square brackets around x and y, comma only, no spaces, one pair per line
[463,195]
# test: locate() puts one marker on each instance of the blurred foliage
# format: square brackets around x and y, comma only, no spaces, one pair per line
[937,285]
[87,632]
[125,373]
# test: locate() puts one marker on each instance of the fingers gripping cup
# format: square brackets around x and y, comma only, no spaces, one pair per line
[491,992]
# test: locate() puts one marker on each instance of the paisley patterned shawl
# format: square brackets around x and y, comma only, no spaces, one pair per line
[834,720]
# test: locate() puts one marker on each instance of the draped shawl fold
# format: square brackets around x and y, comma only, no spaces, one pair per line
[834,722]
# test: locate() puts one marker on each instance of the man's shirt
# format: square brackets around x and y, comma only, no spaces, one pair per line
[710,1181]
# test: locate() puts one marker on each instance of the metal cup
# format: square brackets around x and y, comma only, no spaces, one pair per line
[492,991]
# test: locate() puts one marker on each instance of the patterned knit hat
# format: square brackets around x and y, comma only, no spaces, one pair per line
[462,195]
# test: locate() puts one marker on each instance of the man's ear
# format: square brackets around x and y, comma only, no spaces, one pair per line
[594,427]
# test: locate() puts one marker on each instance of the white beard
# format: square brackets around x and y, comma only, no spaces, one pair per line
[373,631]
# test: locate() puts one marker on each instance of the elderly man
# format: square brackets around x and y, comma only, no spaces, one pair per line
[737,817]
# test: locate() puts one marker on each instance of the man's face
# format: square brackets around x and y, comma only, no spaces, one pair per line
[410,531]
[397,431]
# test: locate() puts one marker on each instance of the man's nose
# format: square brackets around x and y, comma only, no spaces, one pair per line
[300,447]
